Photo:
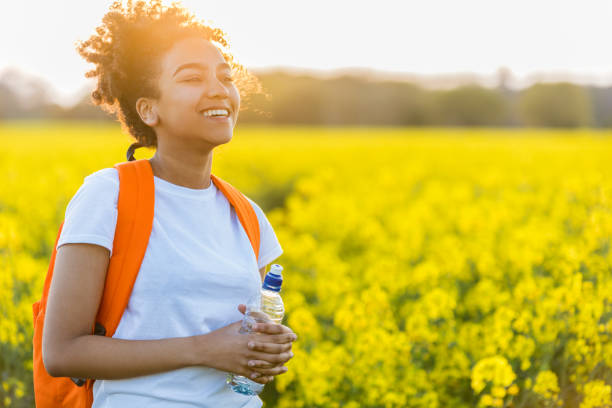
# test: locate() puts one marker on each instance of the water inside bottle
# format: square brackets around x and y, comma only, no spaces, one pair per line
[273,306]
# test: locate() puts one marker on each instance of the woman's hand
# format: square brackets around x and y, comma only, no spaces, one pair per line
[274,340]
[227,349]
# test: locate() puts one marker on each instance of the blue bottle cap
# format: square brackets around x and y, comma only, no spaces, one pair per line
[274,278]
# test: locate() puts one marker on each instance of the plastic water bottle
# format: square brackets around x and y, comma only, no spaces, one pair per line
[267,306]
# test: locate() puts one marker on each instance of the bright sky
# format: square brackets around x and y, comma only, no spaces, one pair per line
[412,36]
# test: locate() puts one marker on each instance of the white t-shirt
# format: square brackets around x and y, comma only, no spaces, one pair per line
[198,266]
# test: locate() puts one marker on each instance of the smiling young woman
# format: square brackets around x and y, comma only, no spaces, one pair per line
[171,86]
[196,110]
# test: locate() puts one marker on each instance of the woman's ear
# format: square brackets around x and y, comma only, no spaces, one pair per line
[147,111]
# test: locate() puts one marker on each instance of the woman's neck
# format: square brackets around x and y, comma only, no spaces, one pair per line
[189,169]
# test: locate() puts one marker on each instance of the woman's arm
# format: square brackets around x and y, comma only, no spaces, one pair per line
[70,350]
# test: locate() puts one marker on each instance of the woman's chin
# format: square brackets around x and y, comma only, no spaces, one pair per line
[220,138]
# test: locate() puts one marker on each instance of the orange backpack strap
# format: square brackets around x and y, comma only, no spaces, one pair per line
[134,224]
[244,211]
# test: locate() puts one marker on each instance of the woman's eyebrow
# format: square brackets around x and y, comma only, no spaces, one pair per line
[197,65]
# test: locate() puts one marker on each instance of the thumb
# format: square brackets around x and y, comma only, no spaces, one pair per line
[242,308]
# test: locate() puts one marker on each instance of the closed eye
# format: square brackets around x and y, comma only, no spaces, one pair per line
[194,79]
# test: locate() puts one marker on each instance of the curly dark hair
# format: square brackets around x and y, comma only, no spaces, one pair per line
[126,51]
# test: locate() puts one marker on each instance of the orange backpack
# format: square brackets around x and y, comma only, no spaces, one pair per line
[134,223]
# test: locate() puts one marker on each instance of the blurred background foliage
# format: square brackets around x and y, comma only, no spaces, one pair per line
[358,100]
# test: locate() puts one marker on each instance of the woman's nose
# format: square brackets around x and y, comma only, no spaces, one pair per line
[216,88]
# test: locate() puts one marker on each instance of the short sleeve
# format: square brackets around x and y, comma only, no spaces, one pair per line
[91,214]
[269,247]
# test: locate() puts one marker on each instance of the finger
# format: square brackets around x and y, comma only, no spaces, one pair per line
[242,308]
[279,338]
[261,379]
[275,359]
[257,364]
[260,316]
[277,370]
[271,328]
[272,348]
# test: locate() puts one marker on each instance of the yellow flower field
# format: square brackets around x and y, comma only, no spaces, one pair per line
[424,268]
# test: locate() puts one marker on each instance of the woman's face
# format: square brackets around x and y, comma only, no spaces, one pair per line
[195,78]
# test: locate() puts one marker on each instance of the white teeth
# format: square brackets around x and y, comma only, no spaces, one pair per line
[216,112]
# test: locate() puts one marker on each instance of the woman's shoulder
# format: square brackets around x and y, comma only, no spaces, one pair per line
[98,188]
[103,182]
[264,223]
[269,246]
[108,175]
[258,211]
[91,214]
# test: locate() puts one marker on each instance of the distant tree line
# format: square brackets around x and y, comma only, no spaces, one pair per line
[352,100]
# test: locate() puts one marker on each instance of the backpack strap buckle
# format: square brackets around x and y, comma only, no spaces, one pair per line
[78,381]
[99,329]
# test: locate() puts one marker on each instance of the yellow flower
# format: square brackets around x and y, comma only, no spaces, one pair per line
[486,400]
[546,385]
[596,395]
[495,370]
[513,390]
[499,392]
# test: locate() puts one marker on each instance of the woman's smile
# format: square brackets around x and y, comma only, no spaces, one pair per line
[217,115]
